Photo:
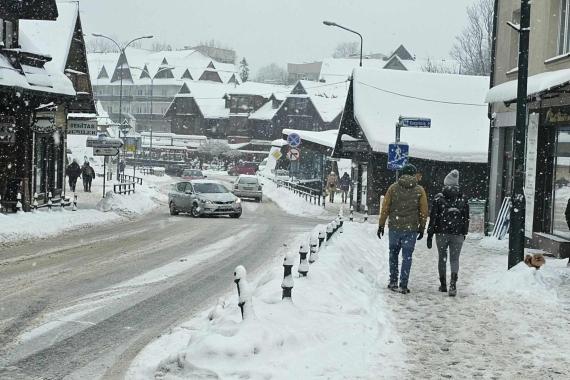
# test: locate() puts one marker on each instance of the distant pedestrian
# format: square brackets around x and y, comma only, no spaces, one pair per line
[567,215]
[406,208]
[345,186]
[73,171]
[122,166]
[332,183]
[449,221]
[87,174]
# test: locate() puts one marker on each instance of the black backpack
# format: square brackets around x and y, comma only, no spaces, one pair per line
[453,212]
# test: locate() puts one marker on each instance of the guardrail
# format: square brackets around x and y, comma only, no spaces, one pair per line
[130,178]
[124,188]
[147,171]
[309,194]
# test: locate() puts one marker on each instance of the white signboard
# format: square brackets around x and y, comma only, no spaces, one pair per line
[82,127]
[105,151]
[530,170]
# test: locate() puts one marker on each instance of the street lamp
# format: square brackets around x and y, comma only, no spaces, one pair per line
[152,94]
[122,51]
[330,23]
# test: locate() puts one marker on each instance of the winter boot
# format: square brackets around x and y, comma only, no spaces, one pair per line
[452,284]
[443,286]
[404,290]
[393,286]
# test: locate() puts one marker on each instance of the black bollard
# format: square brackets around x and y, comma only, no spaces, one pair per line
[329,231]
[351,218]
[314,243]
[74,208]
[322,237]
[19,202]
[287,284]
[365,214]
[35,201]
[303,264]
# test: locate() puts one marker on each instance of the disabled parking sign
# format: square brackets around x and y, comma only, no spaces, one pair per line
[398,156]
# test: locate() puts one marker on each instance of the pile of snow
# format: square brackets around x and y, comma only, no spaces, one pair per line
[145,199]
[44,223]
[336,327]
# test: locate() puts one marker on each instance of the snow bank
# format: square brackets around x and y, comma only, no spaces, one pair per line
[145,199]
[336,327]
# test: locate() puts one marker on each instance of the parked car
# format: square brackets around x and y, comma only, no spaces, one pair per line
[246,167]
[174,170]
[203,197]
[248,186]
[190,174]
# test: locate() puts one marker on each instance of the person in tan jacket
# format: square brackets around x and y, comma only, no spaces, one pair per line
[406,209]
[332,183]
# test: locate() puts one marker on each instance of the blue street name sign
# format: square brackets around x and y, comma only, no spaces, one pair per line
[294,140]
[415,122]
[398,156]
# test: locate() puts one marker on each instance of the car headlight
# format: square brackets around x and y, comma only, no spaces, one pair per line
[238,200]
[207,201]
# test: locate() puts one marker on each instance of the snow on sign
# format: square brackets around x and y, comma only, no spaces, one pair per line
[293,154]
[294,140]
[415,122]
[105,151]
[398,156]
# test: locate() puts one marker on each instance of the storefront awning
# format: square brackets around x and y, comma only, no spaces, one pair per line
[537,84]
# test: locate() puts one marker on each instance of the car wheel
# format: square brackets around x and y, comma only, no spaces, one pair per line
[260,199]
[194,211]
[235,216]
[173,210]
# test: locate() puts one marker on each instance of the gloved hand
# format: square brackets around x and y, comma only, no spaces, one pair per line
[380,232]
[429,241]
[420,235]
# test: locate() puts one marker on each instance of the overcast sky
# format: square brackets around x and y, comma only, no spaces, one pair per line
[281,31]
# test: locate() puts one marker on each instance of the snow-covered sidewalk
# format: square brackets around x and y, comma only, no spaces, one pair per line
[344,324]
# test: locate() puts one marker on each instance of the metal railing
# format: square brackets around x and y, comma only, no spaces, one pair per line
[130,178]
[124,188]
[147,171]
[309,194]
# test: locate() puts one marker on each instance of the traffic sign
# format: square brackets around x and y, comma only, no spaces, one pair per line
[398,156]
[294,140]
[415,122]
[277,154]
[293,154]
[103,142]
[105,151]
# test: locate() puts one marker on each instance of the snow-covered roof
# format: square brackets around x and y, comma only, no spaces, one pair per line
[324,138]
[209,96]
[339,69]
[279,143]
[265,112]
[460,127]
[52,38]
[328,98]
[507,92]
[261,89]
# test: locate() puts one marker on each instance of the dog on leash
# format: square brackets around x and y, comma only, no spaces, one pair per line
[535,261]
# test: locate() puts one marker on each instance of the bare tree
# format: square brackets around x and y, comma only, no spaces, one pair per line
[100,45]
[272,73]
[161,46]
[472,48]
[346,49]
[439,66]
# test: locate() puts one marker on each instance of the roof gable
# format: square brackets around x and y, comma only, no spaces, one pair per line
[211,76]
[122,70]
[211,65]
[395,63]
[103,74]
[299,89]
[403,53]
[187,75]
[144,72]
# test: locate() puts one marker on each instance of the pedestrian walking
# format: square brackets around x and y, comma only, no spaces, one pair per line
[405,207]
[332,183]
[344,186]
[449,221]
[87,174]
[73,171]
[567,215]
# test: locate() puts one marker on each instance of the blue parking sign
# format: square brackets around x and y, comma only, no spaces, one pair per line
[294,140]
[398,156]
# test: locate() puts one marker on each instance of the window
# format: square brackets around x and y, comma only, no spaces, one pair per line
[561,185]
[1,32]
[8,34]
[563,38]
[514,53]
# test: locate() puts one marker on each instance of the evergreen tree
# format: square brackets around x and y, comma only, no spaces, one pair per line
[244,70]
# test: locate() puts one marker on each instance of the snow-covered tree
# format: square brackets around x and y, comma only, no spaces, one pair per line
[432,66]
[161,46]
[272,73]
[244,70]
[213,148]
[472,48]
[346,49]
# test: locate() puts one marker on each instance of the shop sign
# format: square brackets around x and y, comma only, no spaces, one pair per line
[44,125]
[7,129]
[557,117]
[530,172]
[82,127]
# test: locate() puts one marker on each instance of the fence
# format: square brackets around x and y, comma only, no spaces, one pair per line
[147,171]
[124,188]
[130,178]
[309,194]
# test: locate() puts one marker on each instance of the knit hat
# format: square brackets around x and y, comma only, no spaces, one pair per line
[452,179]
[409,169]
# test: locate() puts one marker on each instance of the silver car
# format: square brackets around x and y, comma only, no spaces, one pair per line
[248,186]
[203,197]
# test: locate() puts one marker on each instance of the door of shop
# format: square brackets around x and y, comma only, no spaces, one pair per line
[561,183]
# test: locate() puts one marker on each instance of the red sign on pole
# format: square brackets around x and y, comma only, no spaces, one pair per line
[294,154]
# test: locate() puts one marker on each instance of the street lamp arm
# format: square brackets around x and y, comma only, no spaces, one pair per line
[108,38]
[330,23]
[136,39]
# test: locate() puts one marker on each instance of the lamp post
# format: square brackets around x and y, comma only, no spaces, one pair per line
[151,95]
[330,23]
[122,51]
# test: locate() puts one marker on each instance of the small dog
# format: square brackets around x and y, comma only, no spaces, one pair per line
[535,261]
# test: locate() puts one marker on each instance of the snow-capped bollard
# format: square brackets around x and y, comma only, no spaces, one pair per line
[49,202]
[35,204]
[334,226]
[351,218]
[365,214]
[314,243]
[19,202]
[244,303]
[322,237]
[303,264]
[74,208]
[329,231]
[287,284]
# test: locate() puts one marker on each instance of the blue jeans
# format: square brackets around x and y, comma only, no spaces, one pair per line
[405,241]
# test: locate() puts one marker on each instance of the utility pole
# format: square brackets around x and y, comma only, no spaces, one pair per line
[518,209]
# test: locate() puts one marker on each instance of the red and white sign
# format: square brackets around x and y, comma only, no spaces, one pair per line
[294,154]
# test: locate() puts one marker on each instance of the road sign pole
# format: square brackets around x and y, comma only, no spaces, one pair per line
[104,173]
[398,129]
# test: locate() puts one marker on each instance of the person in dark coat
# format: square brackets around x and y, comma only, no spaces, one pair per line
[449,222]
[87,174]
[567,215]
[345,186]
[73,171]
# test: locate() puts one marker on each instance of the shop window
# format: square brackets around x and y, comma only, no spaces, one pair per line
[563,29]
[514,52]
[561,185]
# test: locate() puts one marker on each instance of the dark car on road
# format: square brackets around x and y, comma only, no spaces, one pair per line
[190,174]
[248,168]
[203,197]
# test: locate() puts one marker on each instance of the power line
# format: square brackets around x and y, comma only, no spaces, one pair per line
[423,99]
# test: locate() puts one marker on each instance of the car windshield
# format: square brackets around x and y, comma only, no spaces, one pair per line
[209,188]
[193,173]
[248,181]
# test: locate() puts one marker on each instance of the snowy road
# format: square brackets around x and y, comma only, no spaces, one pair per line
[84,304]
